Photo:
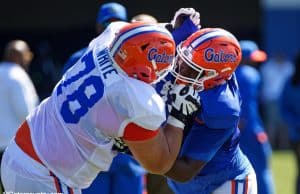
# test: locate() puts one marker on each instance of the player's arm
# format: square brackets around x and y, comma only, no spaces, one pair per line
[199,147]
[157,150]
[185,22]
[158,153]
[184,169]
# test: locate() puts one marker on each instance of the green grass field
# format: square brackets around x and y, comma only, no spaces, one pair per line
[284,172]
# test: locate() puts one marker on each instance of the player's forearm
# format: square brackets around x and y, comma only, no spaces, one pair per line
[158,154]
[180,171]
[170,142]
[173,138]
[184,169]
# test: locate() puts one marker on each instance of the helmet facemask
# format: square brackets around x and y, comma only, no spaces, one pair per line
[188,72]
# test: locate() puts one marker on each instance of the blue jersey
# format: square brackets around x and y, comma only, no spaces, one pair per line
[73,59]
[254,142]
[214,138]
[249,81]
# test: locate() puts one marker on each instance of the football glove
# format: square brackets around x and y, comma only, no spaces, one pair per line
[182,14]
[120,146]
[185,22]
[185,102]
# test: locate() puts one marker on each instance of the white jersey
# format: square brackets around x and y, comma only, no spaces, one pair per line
[17,98]
[73,130]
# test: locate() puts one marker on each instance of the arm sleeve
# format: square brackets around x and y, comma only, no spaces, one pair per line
[202,142]
[184,31]
[133,132]
[137,102]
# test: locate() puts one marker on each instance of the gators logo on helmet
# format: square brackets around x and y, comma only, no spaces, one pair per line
[144,51]
[207,58]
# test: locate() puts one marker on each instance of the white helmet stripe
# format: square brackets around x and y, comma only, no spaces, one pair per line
[211,35]
[135,31]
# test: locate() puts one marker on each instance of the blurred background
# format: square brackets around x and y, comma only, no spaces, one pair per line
[56,29]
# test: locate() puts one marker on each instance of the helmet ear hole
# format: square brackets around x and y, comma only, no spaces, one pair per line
[143,47]
[237,51]
[144,75]
[224,44]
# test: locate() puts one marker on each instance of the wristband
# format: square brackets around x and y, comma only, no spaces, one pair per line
[175,122]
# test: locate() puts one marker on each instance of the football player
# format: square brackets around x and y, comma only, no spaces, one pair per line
[105,99]
[254,140]
[124,172]
[210,160]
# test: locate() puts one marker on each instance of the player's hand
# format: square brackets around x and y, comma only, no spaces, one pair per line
[184,13]
[120,145]
[185,102]
[185,99]
[186,21]
[165,91]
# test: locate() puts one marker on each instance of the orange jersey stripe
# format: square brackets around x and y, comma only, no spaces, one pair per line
[233,187]
[23,140]
[56,182]
[246,185]
[134,132]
